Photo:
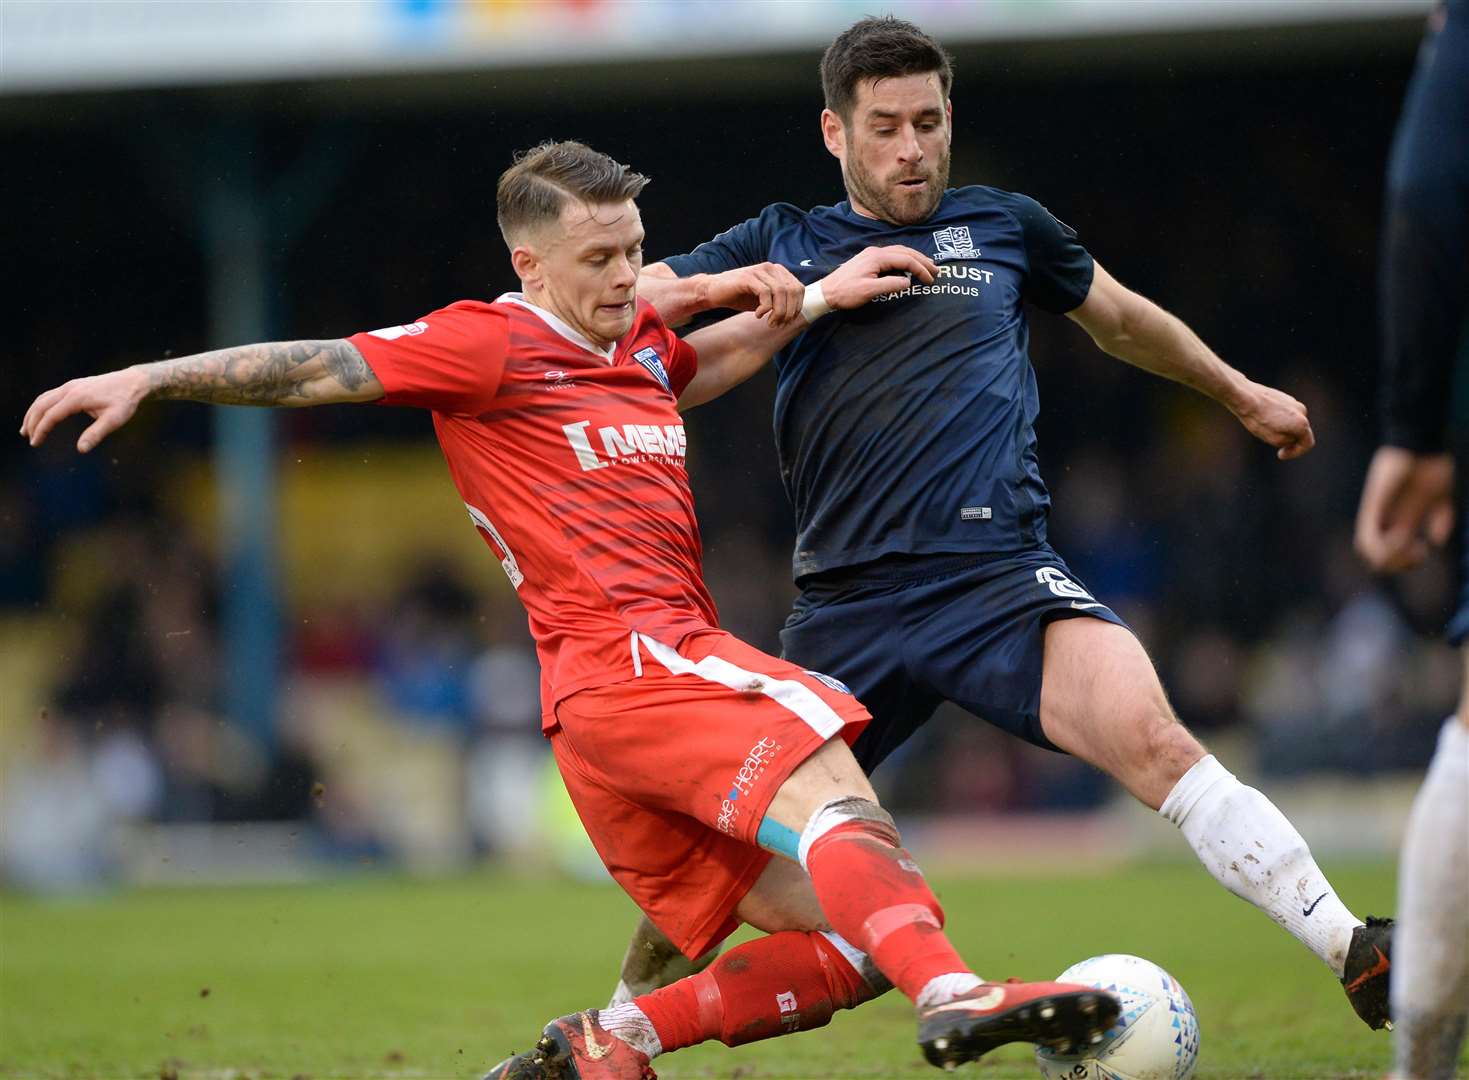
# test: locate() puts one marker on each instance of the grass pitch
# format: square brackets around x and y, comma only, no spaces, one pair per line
[397,978]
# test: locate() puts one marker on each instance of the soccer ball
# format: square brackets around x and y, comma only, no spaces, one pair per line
[1155,1038]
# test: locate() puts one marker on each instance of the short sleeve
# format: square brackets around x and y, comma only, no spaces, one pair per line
[683,364]
[745,244]
[450,361]
[729,250]
[1060,269]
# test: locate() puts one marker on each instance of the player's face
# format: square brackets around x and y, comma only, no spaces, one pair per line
[586,270]
[895,149]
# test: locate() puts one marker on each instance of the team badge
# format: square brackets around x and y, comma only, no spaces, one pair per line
[954,243]
[649,359]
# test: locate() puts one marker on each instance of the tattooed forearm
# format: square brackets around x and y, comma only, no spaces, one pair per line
[346,365]
[273,373]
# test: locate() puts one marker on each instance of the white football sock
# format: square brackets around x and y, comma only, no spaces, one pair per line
[630,1024]
[1430,959]
[1255,853]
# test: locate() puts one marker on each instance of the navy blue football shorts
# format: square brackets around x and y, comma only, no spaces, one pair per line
[908,632]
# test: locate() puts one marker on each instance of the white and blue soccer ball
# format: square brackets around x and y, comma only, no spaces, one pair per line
[1155,1038]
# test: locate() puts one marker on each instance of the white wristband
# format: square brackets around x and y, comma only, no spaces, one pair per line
[815,305]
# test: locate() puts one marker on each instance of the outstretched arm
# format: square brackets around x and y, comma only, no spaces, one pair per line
[732,350]
[1133,328]
[288,373]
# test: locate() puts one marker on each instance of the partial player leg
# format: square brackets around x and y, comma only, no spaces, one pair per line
[782,899]
[787,982]
[1101,701]
[875,897]
[795,980]
[1430,988]
[676,811]
[652,961]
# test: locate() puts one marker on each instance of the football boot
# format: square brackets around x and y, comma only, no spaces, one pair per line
[576,1047]
[1365,974]
[1058,1015]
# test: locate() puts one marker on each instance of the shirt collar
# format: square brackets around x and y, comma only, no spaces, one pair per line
[557,325]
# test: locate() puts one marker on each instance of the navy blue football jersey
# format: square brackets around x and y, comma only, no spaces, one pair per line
[906,426]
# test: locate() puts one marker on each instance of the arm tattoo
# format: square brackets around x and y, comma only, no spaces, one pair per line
[347,366]
[274,373]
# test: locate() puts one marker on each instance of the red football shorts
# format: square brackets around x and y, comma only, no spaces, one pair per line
[671,772]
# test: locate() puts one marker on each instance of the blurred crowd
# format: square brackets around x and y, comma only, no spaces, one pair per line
[408,727]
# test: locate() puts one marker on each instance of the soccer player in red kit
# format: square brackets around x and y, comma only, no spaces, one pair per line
[690,756]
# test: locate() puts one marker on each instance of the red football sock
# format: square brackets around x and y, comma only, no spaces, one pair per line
[876,898]
[791,981]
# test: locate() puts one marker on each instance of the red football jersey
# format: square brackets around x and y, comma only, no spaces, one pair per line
[570,460]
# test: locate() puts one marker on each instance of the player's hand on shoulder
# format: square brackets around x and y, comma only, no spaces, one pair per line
[1274,417]
[1407,505]
[768,289]
[876,271]
[110,399]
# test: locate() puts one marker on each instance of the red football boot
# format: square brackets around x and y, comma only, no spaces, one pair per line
[1051,1014]
[576,1047]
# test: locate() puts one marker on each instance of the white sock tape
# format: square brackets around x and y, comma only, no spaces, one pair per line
[836,812]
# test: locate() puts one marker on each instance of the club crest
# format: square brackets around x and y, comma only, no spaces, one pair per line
[649,359]
[954,243]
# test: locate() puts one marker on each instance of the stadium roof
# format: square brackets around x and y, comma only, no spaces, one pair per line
[47,46]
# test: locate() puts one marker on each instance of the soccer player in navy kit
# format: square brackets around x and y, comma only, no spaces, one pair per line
[906,443]
[1408,504]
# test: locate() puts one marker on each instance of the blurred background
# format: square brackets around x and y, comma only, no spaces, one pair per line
[255,645]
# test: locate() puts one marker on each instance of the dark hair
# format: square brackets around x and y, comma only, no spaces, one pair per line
[536,187]
[878,47]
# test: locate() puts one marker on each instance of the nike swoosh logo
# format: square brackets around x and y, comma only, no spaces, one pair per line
[1379,968]
[805,262]
[595,1050]
[1307,911]
[1079,606]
